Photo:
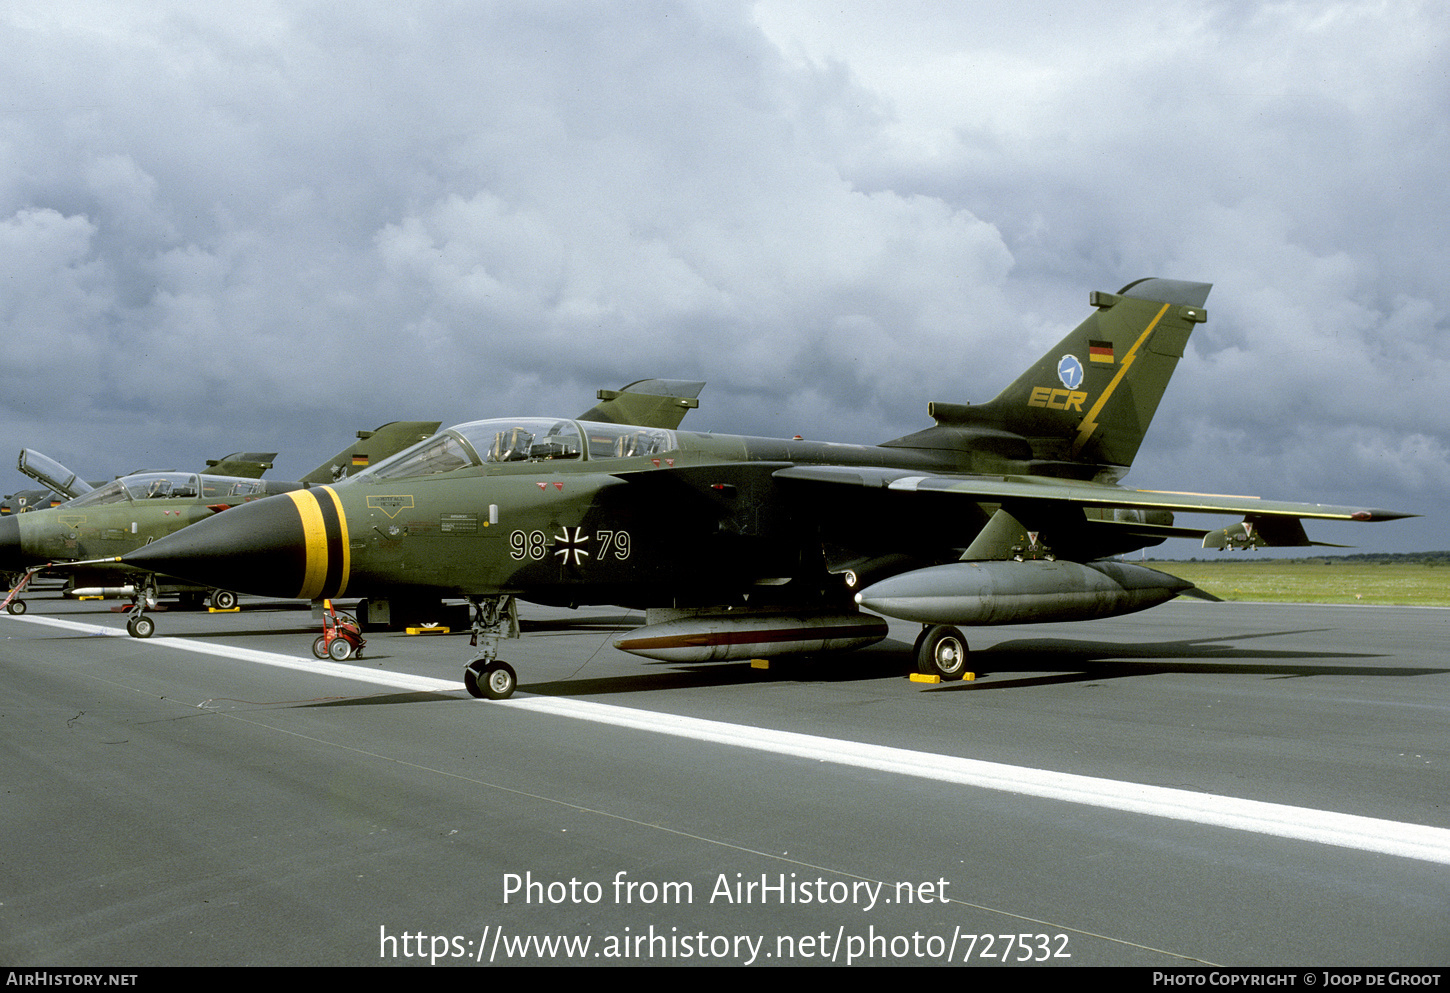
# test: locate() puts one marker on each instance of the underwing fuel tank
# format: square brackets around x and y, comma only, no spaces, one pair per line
[969,593]
[725,636]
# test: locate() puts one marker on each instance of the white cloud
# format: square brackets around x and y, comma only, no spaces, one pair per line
[831,214]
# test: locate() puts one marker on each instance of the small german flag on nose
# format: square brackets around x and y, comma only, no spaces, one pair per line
[1100,351]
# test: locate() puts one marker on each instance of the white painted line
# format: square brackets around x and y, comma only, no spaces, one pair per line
[376,677]
[1371,834]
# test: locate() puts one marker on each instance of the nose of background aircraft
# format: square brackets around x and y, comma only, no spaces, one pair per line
[10,553]
[290,545]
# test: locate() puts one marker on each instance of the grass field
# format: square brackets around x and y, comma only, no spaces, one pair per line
[1416,584]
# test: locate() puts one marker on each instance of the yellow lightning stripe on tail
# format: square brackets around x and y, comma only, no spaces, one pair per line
[315,536]
[1090,422]
[343,549]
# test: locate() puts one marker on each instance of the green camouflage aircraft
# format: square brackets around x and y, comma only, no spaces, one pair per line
[60,484]
[739,547]
[86,535]
[105,522]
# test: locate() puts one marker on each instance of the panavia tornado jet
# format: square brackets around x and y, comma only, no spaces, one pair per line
[739,547]
[61,484]
[87,536]
[104,522]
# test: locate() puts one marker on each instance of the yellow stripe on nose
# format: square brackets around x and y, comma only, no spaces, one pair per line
[315,537]
[343,549]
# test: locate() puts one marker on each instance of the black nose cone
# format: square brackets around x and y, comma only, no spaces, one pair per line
[11,558]
[290,545]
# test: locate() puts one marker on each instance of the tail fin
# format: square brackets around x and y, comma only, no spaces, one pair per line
[652,403]
[243,465]
[1089,400]
[371,447]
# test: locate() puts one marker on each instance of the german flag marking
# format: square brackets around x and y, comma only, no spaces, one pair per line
[1089,424]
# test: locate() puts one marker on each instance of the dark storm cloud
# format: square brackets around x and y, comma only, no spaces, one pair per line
[269,225]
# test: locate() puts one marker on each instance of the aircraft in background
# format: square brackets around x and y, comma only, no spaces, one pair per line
[24,501]
[736,547]
[61,484]
[128,512]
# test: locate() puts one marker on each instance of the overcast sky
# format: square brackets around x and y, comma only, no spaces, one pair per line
[263,226]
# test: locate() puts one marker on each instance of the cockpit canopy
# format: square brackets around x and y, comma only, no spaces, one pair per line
[169,485]
[527,439]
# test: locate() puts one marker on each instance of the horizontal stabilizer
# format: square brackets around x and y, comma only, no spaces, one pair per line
[1259,531]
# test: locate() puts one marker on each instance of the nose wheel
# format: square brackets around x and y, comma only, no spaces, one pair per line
[494,618]
[490,680]
[138,625]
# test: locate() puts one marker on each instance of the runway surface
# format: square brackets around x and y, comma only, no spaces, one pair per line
[1228,784]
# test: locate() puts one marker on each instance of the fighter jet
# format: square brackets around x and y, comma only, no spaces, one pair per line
[105,522]
[25,501]
[739,547]
[92,531]
[61,484]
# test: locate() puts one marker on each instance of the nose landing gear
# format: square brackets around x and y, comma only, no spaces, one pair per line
[485,677]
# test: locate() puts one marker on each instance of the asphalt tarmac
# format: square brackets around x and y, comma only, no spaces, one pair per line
[1200,784]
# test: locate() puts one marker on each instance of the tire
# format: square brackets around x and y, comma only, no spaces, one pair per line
[942,652]
[339,650]
[16,607]
[223,599]
[319,647]
[140,627]
[500,681]
[495,681]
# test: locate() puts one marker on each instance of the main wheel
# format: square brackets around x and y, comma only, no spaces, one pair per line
[319,647]
[140,626]
[16,607]
[942,651]
[223,599]
[495,681]
[339,649]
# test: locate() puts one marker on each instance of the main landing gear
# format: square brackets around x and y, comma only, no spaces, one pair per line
[486,677]
[144,596]
[941,650]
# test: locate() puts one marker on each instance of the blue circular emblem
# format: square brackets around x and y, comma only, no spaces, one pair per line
[1069,370]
